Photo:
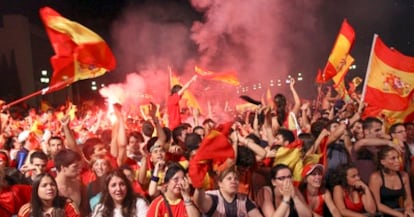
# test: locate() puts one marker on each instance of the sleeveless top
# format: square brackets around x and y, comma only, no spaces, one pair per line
[321,203]
[220,210]
[349,204]
[391,197]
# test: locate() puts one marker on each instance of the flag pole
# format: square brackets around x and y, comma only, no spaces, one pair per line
[367,73]
[24,98]
[39,92]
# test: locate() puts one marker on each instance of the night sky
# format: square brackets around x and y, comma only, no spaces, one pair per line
[393,20]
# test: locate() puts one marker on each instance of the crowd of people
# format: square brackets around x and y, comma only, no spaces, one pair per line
[286,159]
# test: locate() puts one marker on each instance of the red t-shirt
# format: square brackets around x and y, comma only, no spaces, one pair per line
[12,198]
[158,208]
[173,109]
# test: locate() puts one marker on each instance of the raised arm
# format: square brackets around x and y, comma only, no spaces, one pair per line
[202,200]
[296,99]
[187,85]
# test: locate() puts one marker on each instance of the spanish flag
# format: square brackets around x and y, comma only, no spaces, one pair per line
[340,51]
[389,85]
[79,52]
[339,78]
[225,77]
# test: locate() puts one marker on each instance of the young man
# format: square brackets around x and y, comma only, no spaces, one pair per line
[37,166]
[68,165]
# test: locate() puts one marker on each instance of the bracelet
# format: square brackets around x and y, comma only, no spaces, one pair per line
[286,201]
[188,202]
[155,178]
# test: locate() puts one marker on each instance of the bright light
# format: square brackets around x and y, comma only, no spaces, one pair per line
[300,78]
[300,74]
[93,82]
[352,67]
[94,88]
[44,80]
[44,72]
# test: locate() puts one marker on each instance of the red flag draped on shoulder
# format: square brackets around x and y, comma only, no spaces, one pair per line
[340,51]
[214,150]
[389,86]
[226,77]
[79,52]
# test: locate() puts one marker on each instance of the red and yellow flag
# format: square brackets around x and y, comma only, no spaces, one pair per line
[339,78]
[340,51]
[79,52]
[389,85]
[226,77]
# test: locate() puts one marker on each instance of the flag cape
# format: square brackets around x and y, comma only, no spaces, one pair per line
[340,51]
[226,77]
[389,85]
[79,52]
[339,79]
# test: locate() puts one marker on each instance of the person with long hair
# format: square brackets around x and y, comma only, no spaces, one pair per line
[390,186]
[282,198]
[313,189]
[46,201]
[118,198]
[175,200]
[351,195]
[100,166]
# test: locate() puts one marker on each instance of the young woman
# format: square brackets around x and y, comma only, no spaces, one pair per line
[100,167]
[176,200]
[46,201]
[313,189]
[390,186]
[226,201]
[351,195]
[282,199]
[118,198]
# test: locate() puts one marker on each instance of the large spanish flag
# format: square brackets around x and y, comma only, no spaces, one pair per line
[340,51]
[229,77]
[79,52]
[389,85]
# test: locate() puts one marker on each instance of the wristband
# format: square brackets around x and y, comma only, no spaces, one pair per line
[155,179]
[188,202]
[286,201]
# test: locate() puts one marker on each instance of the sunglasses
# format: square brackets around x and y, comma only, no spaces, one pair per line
[281,178]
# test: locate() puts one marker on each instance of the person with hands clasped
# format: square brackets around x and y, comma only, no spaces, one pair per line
[175,200]
[282,199]
[351,195]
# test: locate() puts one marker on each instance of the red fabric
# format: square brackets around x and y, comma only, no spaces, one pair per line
[349,204]
[216,149]
[70,211]
[229,77]
[158,208]
[173,108]
[319,209]
[339,50]
[390,79]
[90,55]
[12,198]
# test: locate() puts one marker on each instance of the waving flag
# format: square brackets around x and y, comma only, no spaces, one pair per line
[213,152]
[389,85]
[340,51]
[79,52]
[339,79]
[226,77]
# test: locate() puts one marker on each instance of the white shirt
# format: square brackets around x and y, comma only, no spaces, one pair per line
[141,209]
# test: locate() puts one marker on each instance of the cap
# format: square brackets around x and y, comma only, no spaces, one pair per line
[308,169]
